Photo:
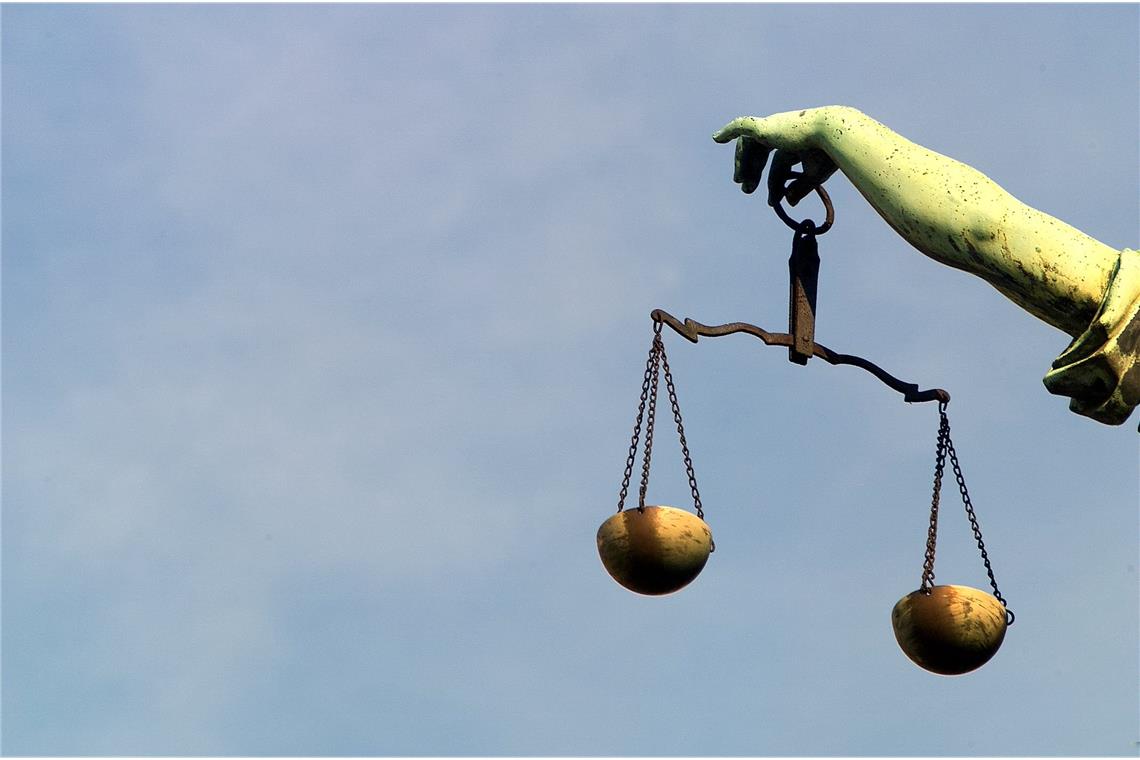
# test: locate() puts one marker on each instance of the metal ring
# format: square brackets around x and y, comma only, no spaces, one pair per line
[807,225]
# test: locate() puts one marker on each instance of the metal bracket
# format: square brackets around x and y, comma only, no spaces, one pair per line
[803,268]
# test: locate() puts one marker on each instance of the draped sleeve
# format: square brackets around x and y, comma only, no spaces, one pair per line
[1100,370]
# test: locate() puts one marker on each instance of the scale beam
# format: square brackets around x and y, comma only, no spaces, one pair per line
[692,330]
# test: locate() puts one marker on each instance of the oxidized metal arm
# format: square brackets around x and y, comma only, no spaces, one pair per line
[944,208]
[959,217]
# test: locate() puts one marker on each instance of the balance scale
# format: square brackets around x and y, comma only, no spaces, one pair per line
[656,550]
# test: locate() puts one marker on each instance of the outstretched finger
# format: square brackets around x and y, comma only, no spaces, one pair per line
[739,127]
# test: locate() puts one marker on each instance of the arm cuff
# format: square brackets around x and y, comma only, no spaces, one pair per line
[1100,370]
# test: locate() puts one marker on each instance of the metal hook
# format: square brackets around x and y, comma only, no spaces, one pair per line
[807,226]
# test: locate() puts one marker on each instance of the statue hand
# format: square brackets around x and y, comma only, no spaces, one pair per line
[792,136]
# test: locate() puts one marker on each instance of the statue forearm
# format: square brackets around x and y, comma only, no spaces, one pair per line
[944,208]
[958,216]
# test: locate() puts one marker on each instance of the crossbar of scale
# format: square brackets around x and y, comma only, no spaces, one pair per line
[691,330]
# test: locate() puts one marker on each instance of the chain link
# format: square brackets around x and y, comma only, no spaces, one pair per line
[946,446]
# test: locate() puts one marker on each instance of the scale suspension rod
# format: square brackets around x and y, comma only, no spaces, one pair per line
[691,330]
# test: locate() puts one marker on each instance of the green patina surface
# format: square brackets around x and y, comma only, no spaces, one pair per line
[956,215]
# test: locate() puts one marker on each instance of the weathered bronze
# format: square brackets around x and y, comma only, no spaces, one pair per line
[959,217]
[949,630]
[944,629]
[654,550]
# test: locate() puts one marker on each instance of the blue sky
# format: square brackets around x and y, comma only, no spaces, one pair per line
[323,328]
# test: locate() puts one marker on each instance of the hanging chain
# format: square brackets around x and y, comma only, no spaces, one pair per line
[946,446]
[932,531]
[689,471]
[645,383]
[974,523]
[681,432]
[651,416]
[647,413]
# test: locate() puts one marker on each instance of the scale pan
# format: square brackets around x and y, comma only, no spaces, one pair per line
[656,551]
[950,631]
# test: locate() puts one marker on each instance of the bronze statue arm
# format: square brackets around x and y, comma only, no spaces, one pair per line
[944,208]
[959,217]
